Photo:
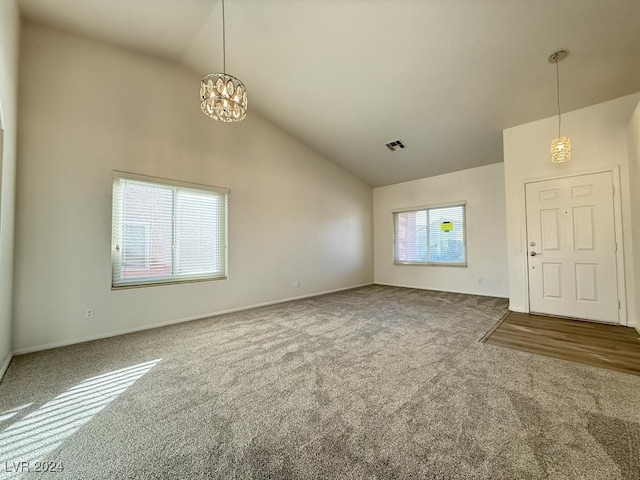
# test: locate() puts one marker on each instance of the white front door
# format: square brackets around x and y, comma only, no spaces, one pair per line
[571,244]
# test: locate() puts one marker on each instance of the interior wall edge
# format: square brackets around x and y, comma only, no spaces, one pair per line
[5,365]
[463,292]
[9,64]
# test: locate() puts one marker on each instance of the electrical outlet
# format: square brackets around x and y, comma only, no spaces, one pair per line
[296,284]
[480,280]
[88,313]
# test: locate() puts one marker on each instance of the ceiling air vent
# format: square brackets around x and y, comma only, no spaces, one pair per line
[395,145]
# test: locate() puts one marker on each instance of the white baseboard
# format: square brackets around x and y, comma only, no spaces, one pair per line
[439,290]
[5,365]
[64,343]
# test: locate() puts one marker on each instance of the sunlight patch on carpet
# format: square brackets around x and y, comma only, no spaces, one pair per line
[29,440]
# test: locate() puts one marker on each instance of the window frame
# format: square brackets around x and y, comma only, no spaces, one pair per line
[116,255]
[420,208]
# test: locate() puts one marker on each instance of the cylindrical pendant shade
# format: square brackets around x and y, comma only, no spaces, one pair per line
[560,149]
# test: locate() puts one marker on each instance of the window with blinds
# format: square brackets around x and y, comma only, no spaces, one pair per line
[431,236]
[167,232]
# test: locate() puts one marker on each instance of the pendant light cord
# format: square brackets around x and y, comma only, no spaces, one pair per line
[224,47]
[557,89]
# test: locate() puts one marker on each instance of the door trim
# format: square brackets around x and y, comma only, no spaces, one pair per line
[617,219]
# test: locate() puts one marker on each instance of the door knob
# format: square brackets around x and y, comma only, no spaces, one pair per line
[533,254]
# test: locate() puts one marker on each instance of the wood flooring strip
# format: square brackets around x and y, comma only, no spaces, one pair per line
[599,345]
[494,328]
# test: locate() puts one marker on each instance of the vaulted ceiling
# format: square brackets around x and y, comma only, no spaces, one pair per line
[347,76]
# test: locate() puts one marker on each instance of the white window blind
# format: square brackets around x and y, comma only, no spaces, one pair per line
[431,236]
[165,231]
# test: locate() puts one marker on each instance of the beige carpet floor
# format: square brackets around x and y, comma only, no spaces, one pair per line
[372,383]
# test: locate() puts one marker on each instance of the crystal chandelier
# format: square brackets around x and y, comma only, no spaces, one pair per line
[222,96]
[561,146]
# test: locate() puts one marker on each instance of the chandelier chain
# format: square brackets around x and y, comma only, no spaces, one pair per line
[224,46]
[558,90]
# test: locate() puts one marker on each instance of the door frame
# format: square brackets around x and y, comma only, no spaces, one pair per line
[617,219]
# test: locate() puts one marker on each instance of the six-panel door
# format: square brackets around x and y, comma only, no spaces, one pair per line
[572,247]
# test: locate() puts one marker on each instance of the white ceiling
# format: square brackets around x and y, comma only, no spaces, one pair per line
[347,76]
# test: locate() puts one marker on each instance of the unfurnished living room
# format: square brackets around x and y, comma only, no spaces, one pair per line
[309,239]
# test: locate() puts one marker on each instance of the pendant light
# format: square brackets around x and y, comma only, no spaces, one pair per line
[561,146]
[223,97]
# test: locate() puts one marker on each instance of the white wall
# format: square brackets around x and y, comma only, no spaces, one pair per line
[87,109]
[9,33]
[483,189]
[634,182]
[599,141]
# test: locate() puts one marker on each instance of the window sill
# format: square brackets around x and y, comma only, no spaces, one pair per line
[159,283]
[430,264]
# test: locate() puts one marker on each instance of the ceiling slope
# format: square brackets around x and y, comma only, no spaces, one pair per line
[347,76]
